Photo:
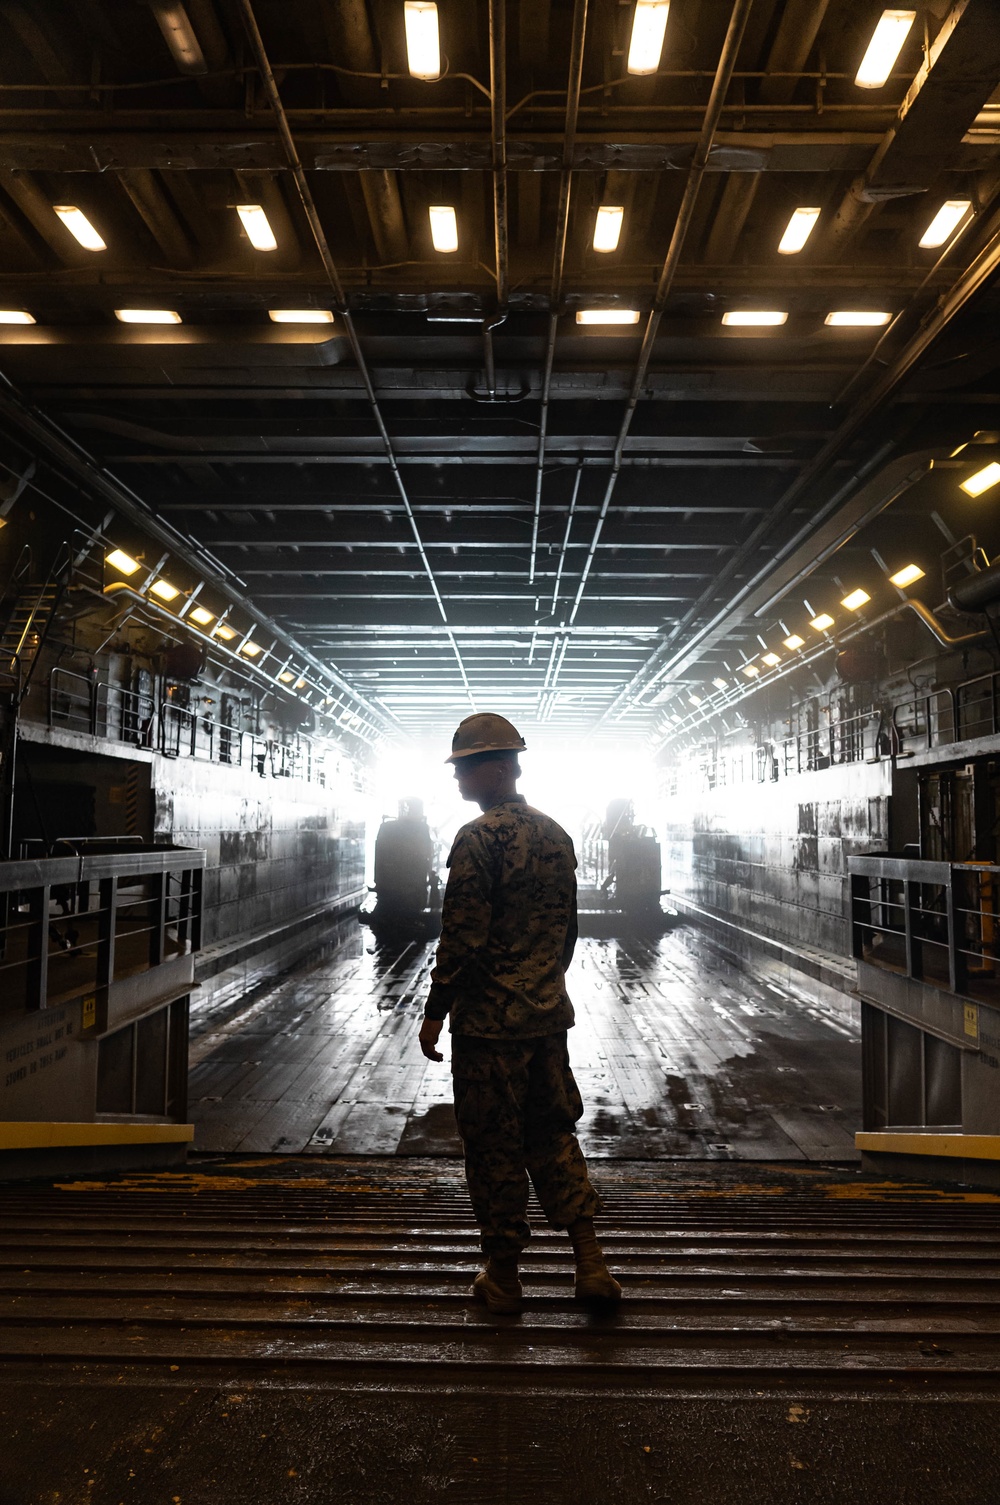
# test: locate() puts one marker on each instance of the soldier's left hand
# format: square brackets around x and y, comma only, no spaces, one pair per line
[430,1033]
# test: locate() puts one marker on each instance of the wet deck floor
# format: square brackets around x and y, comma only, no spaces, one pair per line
[679,1054]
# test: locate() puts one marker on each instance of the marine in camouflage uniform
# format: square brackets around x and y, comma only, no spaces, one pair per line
[507,936]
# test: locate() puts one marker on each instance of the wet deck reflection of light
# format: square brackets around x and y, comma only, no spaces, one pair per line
[677,1052]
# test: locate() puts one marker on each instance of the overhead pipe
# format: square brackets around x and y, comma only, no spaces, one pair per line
[337,288]
[498,129]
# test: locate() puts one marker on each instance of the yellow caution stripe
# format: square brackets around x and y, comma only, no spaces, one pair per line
[44,1136]
[950,1146]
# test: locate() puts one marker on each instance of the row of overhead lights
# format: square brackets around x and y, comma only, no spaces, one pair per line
[974,486]
[649,25]
[841,318]
[171,316]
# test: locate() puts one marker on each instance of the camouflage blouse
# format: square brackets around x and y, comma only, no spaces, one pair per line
[508,927]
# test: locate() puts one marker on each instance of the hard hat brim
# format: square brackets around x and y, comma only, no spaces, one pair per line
[474,752]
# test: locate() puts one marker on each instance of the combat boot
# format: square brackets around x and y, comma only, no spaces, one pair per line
[594,1281]
[498,1287]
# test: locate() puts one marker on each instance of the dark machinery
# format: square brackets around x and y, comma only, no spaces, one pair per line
[405,877]
[633,880]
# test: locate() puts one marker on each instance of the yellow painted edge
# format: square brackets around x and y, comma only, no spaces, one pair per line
[39,1136]
[950,1146]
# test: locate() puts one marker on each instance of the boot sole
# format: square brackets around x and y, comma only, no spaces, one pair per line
[499,1306]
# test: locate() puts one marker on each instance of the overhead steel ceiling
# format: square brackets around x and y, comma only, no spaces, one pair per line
[455,494]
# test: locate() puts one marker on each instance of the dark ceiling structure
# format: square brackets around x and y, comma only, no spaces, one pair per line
[453,489]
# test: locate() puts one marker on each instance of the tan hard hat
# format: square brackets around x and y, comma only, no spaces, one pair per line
[484,733]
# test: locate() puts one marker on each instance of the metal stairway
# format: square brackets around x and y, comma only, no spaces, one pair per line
[840,1336]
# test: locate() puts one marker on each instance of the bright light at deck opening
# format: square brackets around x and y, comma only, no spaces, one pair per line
[884,48]
[607,316]
[822,622]
[648,27]
[444,227]
[300,315]
[164,590]
[855,599]
[201,616]
[794,642]
[147,316]
[423,39]
[608,228]
[798,230]
[847,318]
[79,227]
[16,316]
[770,659]
[906,576]
[754,318]
[119,560]
[258,227]
[982,480]
[944,224]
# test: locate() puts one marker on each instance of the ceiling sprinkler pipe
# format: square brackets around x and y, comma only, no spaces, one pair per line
[979,591]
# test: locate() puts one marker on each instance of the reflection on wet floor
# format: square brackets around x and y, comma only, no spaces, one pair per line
[677,1051]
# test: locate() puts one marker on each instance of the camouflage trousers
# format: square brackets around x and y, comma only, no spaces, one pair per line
[517,1103]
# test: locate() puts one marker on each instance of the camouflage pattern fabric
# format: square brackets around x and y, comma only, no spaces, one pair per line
[516,1103]
[508,927]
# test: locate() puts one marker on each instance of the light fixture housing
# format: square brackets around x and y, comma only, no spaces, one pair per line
[300,315]
[649,24]
[770,659]
[860,318]
[257,226]
[201,616]
[147,316]
[855,600]
[761,318]
[79,227]
[794,641]
[444,227]
[607,316]
[908,575]
[798,230]
[944,224]
[179,35]
[16,316]
[423,39]
[164,590]
[608,227]
[822,622]
[119,560]
[891,31]
[982,480]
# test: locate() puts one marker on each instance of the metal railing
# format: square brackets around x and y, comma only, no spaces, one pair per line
[936,922]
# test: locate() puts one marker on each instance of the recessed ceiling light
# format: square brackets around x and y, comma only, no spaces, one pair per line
[225,633]
[286,677]
[694,700]
[944,224]
[855,599]
[300,315]
[423,39]
[794,641]
[15,316]
[179,35]
[750,318]
[770,659]
[164,590]
[907,575]
[119,560]
[147,316]
[798,230]
[982,480]
[751,671]
[258,227]
[444,227]
[608,227]
[845,318]
[607,316]
[300,684]
[79,227]
[648,26]
[822,622]
[884,48]
[201,616]
[721,684]
[251,649]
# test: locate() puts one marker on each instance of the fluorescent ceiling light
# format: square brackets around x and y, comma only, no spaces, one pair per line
[300,315]
[147,316]
[694,700]
[15,316]
[944,224]
[258,227]
[907,575]
[225,633]
[648,26]
[286,677]
[444,227]
[79,227]
[300,684]
[982,480]
[751,671]
[179,35]
[721,684]
[822,622]
[607,316]
[119,560]
[201,616]
[884,48]
[798,230]
[846,318]
[251,649]
[794,641]
[423,40]
[608,227]
[856,599]
[770,659]
[749,318]
[164,590]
